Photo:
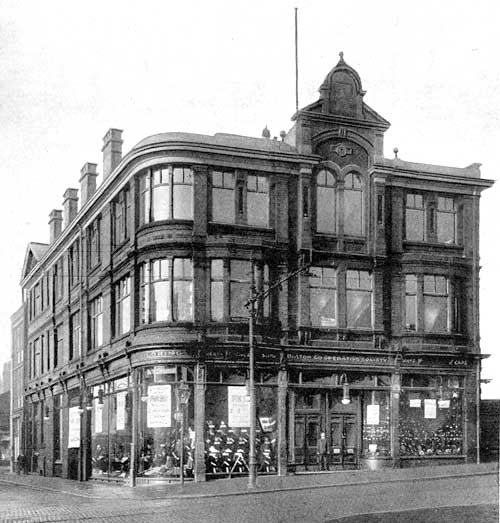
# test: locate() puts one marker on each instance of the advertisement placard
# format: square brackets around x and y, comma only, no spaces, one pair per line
[373,414]
[430,409]
[120,410]
[74,428]
[238,407]
[159,411]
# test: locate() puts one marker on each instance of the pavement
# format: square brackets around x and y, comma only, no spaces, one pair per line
[412,495]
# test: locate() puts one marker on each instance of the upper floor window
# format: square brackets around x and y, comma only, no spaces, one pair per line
[38,299]
[122,306]
[166,193]
[353,205]
[415,217]
[257,200]
[74,263]
[436,311]
[411,302]
[166,290]
[446,220]
[359,299]
[244,200]
[231,281]
[223,183]
[325,202]
[94,243]
[74,330]
[57,279]
[96,323]
[121,217]
[323,297]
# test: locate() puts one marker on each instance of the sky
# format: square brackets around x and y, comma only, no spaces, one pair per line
[71,70]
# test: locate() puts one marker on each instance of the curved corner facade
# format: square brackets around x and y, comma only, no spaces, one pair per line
[137,323]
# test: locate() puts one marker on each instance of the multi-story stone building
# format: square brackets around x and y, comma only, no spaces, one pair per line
[372,337]
[16,387]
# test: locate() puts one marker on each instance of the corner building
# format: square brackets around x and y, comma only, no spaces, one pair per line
[142,293]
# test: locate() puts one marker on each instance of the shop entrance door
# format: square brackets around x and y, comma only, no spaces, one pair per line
[307,430]
[343,440]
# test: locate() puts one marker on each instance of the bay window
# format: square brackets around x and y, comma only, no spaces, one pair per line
[446,221]
[240,277]
[325,202]
[411,302]
[436,316]
[122,305]
[223,183]
[217,290]
[166,193]
[166,290]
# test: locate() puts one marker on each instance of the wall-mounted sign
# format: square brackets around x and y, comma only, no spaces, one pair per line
[238,403]
[372,414]
[430,409]
[159,411]
[74,428]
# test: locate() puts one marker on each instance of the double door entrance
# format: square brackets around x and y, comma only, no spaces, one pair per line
[316,412]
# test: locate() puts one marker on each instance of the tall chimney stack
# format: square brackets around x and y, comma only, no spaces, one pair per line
[87,182]
[111,151]
[55,224]
[70,205]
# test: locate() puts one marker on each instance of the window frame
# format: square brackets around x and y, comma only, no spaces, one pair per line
[361,190]
[327,288]
[123,295]
[96,323]
[325,187]
[359,289]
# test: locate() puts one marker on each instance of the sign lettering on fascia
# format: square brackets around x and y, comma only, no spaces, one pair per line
[166,353]
[338,358]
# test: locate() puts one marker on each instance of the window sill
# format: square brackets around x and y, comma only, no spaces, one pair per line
[242,226]
[160,223]
[434,245]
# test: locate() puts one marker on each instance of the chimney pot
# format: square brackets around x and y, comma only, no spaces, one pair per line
[55,224]
[111,151]
[70,205]
[87,182]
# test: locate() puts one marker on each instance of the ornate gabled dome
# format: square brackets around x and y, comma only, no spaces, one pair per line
[341,91]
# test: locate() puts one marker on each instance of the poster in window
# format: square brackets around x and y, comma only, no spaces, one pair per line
[372,414]
[98,410]
[444,404]
[74,428]
[238,407]
[120,410]
[159,411]
[430,409]
[415,403]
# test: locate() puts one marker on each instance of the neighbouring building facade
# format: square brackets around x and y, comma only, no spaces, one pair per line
[372,337]
[17,385]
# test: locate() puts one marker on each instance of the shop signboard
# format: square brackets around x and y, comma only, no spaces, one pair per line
[120,410]
[373,414]
[430,409]
[74,428]
[159,410]
[238,407]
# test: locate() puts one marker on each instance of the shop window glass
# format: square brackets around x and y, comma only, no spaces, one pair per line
[446,221]
[411,302]
[435,303]
[240,279]
[217,290]
[353,205]
[160,440]
[223,184]
[431,423]
[227,430]
[415,218]
[325,202]
[122,305]
[376,424]
[257,201]
[359,299]
[323,296]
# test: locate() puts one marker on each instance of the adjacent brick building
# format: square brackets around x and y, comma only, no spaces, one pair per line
[372,336]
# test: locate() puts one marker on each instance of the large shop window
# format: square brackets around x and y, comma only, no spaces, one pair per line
[436,303]
[376,424]
[160,440]
[359,299]
[323,296]
[325,202]
[96,323]
[166,193]
[166,290]
[353,205]
[122,305]
[227,412]
[431,421]
[111,429]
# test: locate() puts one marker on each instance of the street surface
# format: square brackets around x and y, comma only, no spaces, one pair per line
[459,499]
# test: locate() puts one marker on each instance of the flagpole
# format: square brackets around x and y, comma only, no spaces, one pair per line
[296,63]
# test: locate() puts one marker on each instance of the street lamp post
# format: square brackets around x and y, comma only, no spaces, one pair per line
[184,393]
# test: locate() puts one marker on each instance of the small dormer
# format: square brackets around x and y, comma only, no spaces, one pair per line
[341,92]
